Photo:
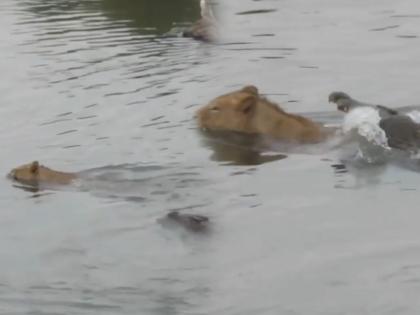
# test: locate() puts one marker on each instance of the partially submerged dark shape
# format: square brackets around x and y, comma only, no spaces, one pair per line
[192,222]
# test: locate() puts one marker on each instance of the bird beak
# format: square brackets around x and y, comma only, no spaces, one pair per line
[343,108]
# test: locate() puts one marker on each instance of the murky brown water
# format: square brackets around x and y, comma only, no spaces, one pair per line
[96,86]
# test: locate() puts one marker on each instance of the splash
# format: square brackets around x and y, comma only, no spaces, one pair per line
[414,115]
[364,121]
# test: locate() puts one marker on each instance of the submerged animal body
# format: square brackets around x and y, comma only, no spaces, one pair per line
[380,123]
[35,174]
[192,222]
[246,111]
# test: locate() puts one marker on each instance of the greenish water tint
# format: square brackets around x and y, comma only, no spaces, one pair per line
[97,87]
[147,17]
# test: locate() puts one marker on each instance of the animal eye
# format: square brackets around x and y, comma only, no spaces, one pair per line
[343,108]
[214,109]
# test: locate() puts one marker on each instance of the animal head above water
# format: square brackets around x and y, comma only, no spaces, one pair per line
[231,111]
[35,173]
[246,111]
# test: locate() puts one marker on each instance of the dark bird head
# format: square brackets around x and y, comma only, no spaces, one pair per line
[334,97]
[343,101]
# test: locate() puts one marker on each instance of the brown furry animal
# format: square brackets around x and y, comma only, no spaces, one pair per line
[34,174]
[246,111]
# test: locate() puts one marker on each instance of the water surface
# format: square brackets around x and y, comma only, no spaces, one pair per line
[97,86]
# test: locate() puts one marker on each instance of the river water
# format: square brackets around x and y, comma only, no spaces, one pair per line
[96,86]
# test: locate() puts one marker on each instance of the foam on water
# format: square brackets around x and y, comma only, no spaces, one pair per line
[365,122]
[414,115]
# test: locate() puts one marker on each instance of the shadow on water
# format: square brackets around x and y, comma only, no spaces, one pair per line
[232,148]
[148,17]
[363,174]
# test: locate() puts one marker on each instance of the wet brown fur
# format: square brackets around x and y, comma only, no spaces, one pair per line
[35,174]
[246,111]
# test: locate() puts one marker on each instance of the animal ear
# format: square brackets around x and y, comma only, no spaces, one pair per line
[247,105]
[250,89]
[34,167]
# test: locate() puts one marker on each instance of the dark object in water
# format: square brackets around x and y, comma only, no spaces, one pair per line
[191,222]
[345,103]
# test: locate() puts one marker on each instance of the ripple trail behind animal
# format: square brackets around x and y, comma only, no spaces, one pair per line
[143,183]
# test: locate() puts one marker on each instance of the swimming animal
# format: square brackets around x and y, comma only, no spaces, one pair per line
[35,174]
[246,111]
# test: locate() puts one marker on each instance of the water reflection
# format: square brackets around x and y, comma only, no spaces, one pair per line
[358,174]
[339,169]
[147,17]
[157,15]
[234,148]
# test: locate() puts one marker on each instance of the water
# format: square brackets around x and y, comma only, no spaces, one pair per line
[95,86]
